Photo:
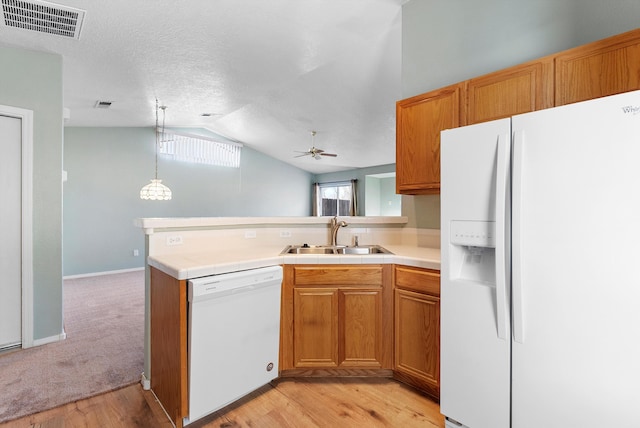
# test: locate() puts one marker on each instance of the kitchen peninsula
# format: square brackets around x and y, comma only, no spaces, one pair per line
[395,289]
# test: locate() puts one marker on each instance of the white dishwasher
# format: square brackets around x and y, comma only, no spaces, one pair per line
[234,336]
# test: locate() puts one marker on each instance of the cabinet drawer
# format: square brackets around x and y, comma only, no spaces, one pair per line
[419,280]
[338,275]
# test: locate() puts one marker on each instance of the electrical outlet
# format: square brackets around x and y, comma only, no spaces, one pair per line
[249,234]
[136,253]
[285,234]
[174,240]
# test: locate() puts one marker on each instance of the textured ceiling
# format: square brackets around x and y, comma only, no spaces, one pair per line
[269,71]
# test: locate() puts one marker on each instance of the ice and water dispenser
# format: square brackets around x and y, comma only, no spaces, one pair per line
[472,252]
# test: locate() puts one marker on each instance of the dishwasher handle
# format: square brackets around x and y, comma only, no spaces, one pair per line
[217,290]
[226,284]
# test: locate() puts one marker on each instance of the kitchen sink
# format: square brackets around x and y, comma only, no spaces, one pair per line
[364,249]
[334,250]
[310,249]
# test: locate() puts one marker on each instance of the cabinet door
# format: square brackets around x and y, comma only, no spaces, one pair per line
[315,327]
[598,69]
[360,342]
[520,89]
[417,352]
[419,121]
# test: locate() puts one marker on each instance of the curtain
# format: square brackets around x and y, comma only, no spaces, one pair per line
[353,207]
[314,204]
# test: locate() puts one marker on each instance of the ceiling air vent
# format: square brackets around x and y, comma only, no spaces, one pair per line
[43,17]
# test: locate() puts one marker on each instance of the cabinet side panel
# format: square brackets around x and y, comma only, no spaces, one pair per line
[168,298]
[286,320]
[387,318]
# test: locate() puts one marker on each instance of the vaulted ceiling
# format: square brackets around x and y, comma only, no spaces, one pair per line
[267,72]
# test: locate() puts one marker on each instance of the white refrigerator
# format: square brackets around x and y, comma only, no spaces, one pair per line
[540,271]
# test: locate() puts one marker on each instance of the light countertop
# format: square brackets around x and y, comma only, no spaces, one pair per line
[150,224]
[214,262]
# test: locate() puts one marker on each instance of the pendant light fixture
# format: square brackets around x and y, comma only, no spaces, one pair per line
[156,191]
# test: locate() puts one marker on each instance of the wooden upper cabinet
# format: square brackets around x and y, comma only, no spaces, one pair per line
[419,121]
[598,69]
[520,89]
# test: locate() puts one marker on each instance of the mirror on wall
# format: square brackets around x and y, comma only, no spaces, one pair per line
[380,195]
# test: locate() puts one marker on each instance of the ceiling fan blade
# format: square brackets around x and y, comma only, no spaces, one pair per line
[314,152]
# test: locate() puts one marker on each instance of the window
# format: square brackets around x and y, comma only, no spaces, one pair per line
[199,149]
[335,199]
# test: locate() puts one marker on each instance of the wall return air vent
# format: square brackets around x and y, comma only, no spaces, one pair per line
[43,17]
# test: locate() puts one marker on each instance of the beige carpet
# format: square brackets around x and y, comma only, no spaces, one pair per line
[104,322]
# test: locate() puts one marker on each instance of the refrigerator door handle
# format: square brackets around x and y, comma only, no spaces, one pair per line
[502,180]
[516,237]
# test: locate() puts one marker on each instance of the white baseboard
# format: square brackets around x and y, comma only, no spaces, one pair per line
[146,383]
[109,272]
[50,339]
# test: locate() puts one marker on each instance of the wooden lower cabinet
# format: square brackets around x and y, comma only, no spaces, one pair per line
[336,320]
[336,317]
[337,328]
[417,328]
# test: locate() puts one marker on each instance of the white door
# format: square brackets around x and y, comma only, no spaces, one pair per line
[10,231]
[475,324]
[576,282]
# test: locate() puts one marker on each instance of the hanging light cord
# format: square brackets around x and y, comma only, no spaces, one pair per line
[158,133]
[156,176]
[156,190]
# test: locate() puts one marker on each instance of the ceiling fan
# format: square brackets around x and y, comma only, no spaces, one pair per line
[315,152]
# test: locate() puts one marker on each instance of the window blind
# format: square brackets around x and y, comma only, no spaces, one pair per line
[200,149]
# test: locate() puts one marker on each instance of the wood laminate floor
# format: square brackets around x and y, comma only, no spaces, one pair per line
[288,403]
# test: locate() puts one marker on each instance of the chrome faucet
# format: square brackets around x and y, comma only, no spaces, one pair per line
[335,225]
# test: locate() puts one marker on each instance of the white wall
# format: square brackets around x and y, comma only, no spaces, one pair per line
[380,196]
[390,202]
[33,81]
[106,168]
